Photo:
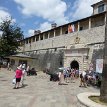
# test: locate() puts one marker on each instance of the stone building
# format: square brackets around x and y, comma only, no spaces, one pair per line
[76,47]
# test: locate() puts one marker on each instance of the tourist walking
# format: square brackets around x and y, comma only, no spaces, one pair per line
[67,75]
[23,74]
[77,73]
[28,70]
[18,75]
[72,75]
[83,79]
[8,66]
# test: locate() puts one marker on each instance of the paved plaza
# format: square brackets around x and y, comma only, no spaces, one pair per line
[39,92]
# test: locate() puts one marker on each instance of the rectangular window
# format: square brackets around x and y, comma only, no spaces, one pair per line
[27,41]
[46,36]
[37,38]
[41,37]
[33,39]
[81,28]
[30,40]
[100,8]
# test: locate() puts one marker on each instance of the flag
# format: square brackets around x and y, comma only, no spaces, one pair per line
[71,28]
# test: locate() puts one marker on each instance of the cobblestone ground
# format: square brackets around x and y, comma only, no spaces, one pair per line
[39,92]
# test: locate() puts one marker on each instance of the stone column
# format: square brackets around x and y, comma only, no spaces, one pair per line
[60,30]
[43,36]
[48,34]
[39,38]
[82,63]
[89,23]
[54,33]
[105,19]
[78,26]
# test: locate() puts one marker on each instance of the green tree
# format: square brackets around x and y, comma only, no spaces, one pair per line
[11,35]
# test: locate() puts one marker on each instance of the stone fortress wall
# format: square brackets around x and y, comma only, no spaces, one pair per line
[50,52]
[58,48]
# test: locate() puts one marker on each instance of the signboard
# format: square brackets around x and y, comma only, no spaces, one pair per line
[99,65]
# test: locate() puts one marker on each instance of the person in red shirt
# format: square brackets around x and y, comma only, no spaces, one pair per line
[18,76]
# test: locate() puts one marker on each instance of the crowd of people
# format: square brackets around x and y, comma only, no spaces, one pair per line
[90,77]
[67,75]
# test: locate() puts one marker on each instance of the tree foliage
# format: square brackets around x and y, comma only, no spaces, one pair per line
[11,35]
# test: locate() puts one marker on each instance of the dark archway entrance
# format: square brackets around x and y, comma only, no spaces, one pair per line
[74,65]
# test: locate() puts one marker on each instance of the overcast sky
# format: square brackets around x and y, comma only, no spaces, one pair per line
[33,15]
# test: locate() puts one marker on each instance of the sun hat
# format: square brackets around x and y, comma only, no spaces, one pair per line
[19,67]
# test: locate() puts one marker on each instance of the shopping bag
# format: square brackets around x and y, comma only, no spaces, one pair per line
[14,81]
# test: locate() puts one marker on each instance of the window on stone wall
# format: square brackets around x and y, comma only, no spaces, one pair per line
[27,41]
[37,38]
[100,8]
[51,33]
[33,39]
[65,29]
[30,40]
[81,28]
[41,37]
[46,35]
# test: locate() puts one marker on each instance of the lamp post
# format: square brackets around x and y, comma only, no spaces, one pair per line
[103,90]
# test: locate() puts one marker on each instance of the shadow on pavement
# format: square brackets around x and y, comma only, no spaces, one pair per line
[23,86]
[62,84]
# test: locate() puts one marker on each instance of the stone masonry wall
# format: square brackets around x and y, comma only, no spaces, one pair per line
[89,36]
[46,55]
[97,54]
[50,59]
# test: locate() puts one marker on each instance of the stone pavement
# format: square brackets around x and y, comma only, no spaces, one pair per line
[39,92]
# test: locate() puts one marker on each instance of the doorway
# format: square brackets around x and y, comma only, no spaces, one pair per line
[74,65]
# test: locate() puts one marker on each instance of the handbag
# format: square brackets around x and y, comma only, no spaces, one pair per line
[14,81]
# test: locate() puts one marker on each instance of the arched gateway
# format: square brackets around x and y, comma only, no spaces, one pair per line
[74,65]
